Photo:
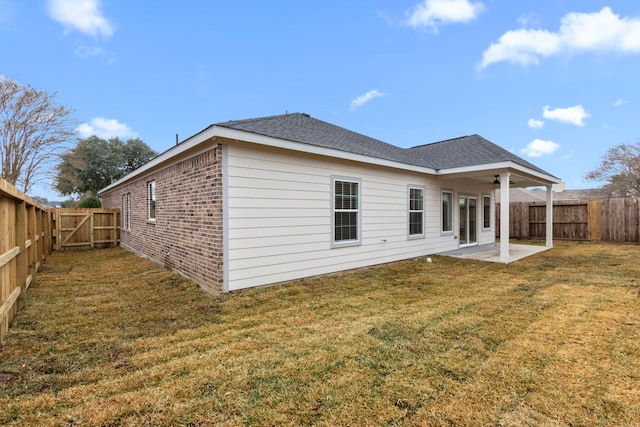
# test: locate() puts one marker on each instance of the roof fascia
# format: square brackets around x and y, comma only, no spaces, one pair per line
[240,135]
[502,165]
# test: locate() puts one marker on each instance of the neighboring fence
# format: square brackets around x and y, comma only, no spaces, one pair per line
[25,241]
[76,228]
[614,220]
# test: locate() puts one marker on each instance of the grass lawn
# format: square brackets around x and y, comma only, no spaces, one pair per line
[554,339]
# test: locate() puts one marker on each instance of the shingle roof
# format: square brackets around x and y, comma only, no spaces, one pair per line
[470,150]
[303,128]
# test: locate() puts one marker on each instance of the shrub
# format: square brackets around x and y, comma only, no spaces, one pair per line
[90,202]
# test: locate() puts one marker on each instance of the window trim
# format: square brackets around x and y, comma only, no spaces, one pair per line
[442,230]
[484,219]
[128,212]
[125,213]
[152,200]
[420,235]
[123,210]
[358,240]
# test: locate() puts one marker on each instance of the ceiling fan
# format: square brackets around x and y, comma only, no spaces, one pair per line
[496,181]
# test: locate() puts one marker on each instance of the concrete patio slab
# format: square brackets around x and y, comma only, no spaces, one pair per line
[491,252]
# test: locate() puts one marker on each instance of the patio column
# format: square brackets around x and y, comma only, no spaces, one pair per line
[549,228]
[504,216]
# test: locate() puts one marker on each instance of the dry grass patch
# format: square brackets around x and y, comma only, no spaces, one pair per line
[109,339]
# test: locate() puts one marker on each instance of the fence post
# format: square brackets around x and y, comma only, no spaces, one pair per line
[32,229]
[91,230]
[114,232]
[22,259]
[56,214]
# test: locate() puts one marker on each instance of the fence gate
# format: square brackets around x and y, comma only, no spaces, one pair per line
[85,228]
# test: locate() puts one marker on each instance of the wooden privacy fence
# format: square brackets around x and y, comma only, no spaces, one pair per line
[613,220]
[85,228]
[25,241]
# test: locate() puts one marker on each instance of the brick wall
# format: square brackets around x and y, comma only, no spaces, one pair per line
[186,236]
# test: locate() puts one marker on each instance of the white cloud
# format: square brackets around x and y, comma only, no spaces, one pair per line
[539,148]
[105,128]
[433,13]
[84,51]
[574,115]
[363,99]
[528,20]
[535,124]
[619,102]
[601,31]
[82,15]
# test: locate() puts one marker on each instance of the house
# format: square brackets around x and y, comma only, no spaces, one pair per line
[254,202]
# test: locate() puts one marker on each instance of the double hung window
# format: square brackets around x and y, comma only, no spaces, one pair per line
[151,200]
[486,212]
[416,212]
[125,212]
[346,211]
[447,211]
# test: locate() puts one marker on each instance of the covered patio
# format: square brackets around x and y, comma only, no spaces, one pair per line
[491,252]
[504,176]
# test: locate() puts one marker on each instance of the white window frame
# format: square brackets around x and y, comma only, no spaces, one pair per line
[486,218]
[151,201]
[338,209]
[123,210]
[420,235]
[128,211]
[442,193]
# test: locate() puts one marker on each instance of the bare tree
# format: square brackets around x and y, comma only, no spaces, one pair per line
[620,170]
[33,130]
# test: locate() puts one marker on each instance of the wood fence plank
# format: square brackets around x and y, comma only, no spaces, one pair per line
[614,220]
[595,220]
[9,255]
[22,224]
[7,306]
[92,230]
[75,229]
[95,228]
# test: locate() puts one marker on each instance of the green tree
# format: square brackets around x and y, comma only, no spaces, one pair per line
[619,170]
[135,154]
[94,163]
[90,202]
[33,130]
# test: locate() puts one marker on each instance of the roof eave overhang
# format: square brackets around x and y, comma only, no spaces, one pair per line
[539,177]
[210,133]
[268,141]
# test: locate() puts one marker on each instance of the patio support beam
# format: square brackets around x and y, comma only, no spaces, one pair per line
[549,219]
[504,216]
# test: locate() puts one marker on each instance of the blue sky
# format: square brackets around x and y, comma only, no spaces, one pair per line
[555,81]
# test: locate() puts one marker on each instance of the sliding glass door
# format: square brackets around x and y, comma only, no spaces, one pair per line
[468,220]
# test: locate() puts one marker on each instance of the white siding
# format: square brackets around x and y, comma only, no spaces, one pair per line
[278,211]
